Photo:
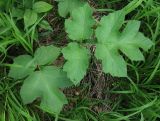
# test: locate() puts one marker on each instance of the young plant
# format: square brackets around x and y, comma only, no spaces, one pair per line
[113,43]
[31,15]
[41,79]
[110,42]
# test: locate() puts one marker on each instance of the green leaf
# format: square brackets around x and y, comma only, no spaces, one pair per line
[45,25]
[45,84]
[77,61]
[46,54]
[23,65]
[111,40]
[109,27]
[41,7]
[18,13]
[132,40]
[2,4]
[28,4]
[79,26]
[67,6]
[30,17]
[112,62]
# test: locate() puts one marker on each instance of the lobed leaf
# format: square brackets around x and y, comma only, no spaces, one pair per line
[77,61]
[111,40]
[112,62]
[79,26]
[45,84]
[65,7]
[25,64]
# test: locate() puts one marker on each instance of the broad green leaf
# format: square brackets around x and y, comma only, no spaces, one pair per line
[112,62]
[77,62]
[67,6]
[111,40]
[30,17]
[131,40]
[109,27]
[41,7]
[23,65]
[79,26]
[46,54]
[45,84]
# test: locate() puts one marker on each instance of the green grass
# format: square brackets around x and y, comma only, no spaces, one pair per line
[134,99]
